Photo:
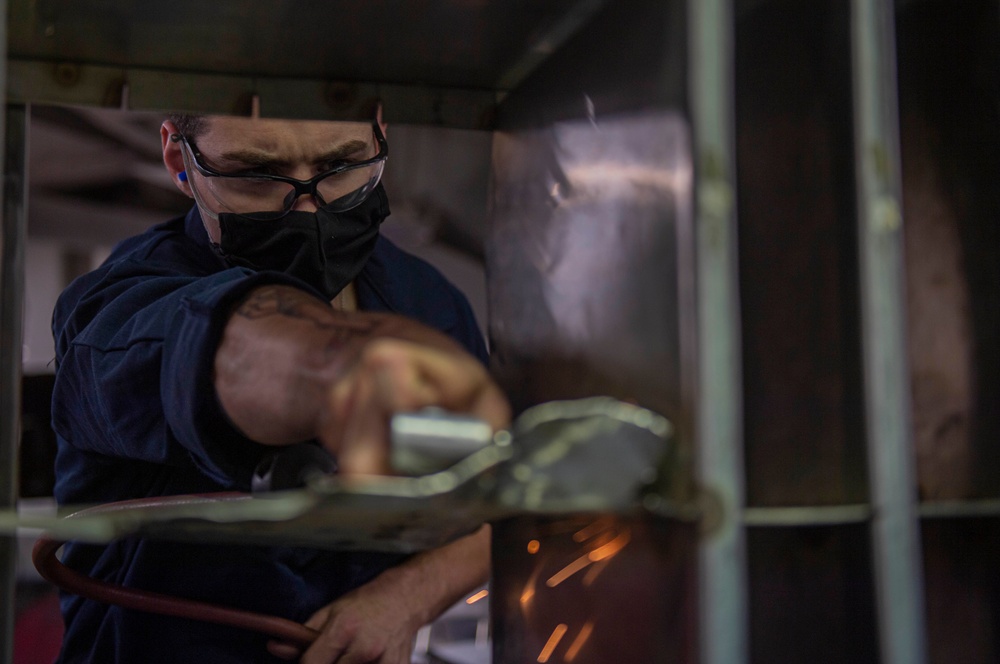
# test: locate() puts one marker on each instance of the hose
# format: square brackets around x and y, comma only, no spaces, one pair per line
[53,571]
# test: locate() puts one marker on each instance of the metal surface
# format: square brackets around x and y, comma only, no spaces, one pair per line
[594,589]
[581,256]
[895,530]
[433,440]
[595,455]
[722,562]
[590,222]
[11,315]
[437,63]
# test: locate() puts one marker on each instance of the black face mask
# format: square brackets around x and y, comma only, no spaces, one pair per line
[325,249]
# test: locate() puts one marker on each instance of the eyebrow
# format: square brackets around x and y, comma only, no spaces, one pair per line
[256,158]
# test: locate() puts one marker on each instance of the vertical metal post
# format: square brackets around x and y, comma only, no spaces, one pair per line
[722,562]
[895,529]
[11,320]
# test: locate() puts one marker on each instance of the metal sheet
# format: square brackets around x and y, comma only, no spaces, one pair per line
[803,403]
[581,258]
[592,455]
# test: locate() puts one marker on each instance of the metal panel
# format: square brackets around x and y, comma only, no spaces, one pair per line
[895,529]
[812,595]
[722,564]
[591,201]
[801,358]
[453,44]
[11,315]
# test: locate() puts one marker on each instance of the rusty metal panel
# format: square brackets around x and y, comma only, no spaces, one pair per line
[950,118]
[963,589]
[798,256]
[811,595]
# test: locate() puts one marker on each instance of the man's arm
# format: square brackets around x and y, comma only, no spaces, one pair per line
[291,368]
[378,621]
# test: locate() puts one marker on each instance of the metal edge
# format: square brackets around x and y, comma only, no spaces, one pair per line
[136,88]
[14,126]
[547,43]
[895,528]
[827,515]
[722,582]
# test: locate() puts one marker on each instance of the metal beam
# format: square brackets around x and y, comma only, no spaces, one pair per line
[144,89]
[11,321]
[723,575]
[895,528]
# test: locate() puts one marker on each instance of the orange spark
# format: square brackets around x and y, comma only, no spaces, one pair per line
[528,593]
[589,531]
[568,571]
[612,547]
[594,571]
[534,546]
[551,644]
[478,596]
[578,642]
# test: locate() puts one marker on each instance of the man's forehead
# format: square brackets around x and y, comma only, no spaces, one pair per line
[273,134]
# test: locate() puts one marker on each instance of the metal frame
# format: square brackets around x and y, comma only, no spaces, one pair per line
[895,529]
[723,599]
[893,510]
[11,315]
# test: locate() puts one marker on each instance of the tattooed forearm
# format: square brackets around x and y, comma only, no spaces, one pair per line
[273,301]
[284,301]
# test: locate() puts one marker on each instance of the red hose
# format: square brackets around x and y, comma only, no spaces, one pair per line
[52,570]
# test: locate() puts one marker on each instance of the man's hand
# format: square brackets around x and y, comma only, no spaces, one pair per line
[370,624]
[394,376]
[377,622]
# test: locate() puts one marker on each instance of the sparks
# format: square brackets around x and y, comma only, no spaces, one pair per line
[551,644]
[612,547]
[568,571]
[589,531]
[578,642]
[478,596]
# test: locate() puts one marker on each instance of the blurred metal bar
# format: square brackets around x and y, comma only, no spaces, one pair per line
[548,42]
[825,515]
[39,81]
[895,529]
[723,582]
[11,314]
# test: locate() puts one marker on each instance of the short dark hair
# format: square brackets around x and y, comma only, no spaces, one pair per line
[190,126]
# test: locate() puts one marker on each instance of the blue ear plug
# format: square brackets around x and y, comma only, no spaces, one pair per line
[182,176]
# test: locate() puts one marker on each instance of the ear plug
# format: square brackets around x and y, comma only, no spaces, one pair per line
[182,176]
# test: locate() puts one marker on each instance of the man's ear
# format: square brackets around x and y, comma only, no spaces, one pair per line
[378,118]
[173,158]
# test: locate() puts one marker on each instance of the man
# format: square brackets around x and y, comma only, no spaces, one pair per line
[273,313]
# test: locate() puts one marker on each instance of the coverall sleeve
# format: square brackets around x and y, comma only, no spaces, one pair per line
[135,347]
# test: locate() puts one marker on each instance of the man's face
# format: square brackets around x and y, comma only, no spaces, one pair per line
[292,148]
